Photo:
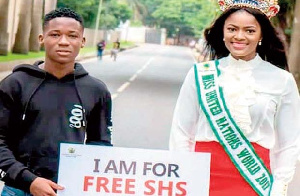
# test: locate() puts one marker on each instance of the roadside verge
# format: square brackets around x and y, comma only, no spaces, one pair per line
[7,67]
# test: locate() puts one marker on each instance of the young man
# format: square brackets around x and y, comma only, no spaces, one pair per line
[100,48]
[47,103]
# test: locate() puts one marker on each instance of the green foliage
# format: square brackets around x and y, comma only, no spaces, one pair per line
[187,17]
[151,6]
[13,56]
[41,54]
[287,6]
[139,10]
[87,9]
[112,12]
[284,19]
[136,23]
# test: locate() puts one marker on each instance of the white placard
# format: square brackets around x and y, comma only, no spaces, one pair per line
[90,170]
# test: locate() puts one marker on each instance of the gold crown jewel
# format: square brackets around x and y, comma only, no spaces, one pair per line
[269,7]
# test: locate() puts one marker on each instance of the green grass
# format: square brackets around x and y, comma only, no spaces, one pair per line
[87,50]
[32,55]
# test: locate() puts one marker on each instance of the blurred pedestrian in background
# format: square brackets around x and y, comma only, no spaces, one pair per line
[100,48]
[115,49]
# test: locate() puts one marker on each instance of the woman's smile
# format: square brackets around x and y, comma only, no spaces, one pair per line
[239,45]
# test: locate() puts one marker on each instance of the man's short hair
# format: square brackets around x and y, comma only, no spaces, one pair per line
[62,12]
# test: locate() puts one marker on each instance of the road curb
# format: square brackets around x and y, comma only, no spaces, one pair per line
[7,67]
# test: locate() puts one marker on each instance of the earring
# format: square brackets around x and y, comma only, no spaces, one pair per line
[223,39]
[259,43]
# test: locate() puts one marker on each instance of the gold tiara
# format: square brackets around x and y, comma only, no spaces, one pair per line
[269,7]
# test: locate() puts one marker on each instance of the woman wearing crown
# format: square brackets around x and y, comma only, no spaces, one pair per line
[243,106]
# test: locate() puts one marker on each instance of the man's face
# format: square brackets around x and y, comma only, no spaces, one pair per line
[62,39]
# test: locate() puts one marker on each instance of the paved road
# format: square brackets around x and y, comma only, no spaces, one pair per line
[145,83]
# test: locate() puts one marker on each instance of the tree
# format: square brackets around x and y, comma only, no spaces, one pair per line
[289,29]
[138,8]
[49,5]
[168,15]
[87,9]
[284,19]
[36,25]
[187,17]
[112,12]
[294,57]
[21,45]
[151,6]
[4,35]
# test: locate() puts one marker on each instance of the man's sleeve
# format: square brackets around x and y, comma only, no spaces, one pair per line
[11,171]
[99,125]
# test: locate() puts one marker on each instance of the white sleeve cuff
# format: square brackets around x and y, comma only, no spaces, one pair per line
[279,188]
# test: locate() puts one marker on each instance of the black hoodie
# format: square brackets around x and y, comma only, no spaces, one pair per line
[38,111]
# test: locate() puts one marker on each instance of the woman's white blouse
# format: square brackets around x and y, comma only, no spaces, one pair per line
[263,100]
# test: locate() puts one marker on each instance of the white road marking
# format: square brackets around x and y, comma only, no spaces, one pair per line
[123,87]
[131,79]
[113,96]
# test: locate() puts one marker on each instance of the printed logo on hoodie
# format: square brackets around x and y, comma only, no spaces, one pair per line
[2,174]
[76,119]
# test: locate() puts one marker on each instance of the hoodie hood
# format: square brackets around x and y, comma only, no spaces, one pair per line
[34,70]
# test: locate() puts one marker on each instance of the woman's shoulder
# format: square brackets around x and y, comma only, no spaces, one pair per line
[273,77]
[271,69]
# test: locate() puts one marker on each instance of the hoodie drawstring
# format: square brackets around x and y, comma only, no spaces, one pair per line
[33,92]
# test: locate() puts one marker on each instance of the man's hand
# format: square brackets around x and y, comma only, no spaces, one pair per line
[44,187]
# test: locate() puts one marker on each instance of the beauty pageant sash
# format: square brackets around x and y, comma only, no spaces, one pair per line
[229,135]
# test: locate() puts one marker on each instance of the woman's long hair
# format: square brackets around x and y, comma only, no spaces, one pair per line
[271,48]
